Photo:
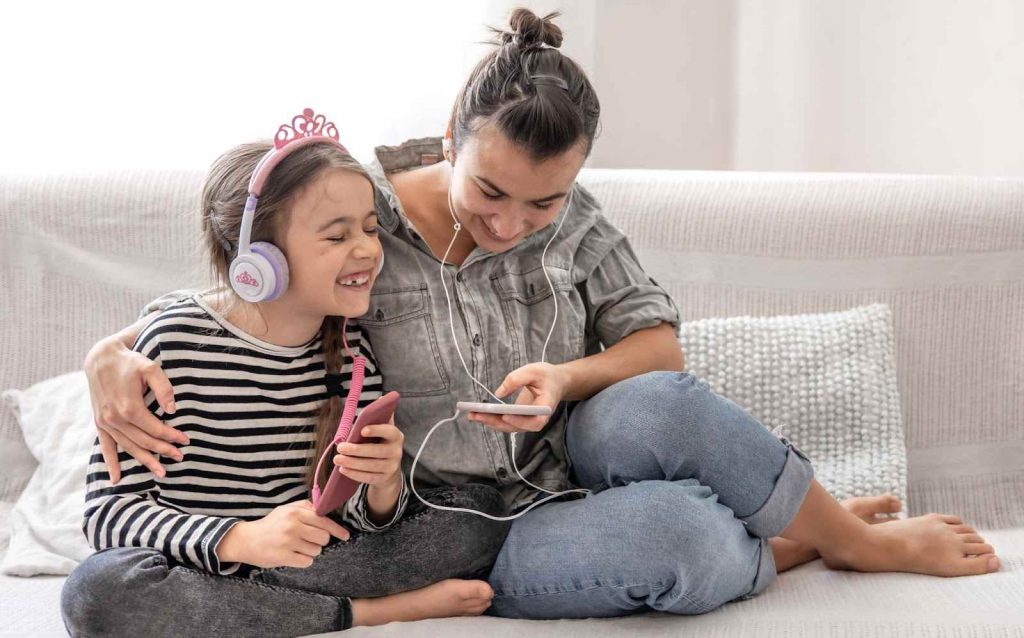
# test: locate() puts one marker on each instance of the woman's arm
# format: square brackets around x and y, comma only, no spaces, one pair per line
[118,378]
[645,350]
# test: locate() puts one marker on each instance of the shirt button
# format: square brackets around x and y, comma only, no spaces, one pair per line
[502,473]
[477,340]
[458,277]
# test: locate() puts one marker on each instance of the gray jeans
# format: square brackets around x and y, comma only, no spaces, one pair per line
[133,591]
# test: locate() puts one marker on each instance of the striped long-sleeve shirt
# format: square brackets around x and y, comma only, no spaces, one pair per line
[249,408]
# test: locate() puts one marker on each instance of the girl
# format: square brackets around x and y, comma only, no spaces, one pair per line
[695,503]
[224,541]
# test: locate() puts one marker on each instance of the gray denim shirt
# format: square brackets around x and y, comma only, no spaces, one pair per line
[502,311]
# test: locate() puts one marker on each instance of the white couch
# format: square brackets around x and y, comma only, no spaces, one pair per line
[80,254]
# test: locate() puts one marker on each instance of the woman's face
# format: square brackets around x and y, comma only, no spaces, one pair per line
[501,195]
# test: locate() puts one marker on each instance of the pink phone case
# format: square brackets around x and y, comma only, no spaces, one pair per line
[340,488]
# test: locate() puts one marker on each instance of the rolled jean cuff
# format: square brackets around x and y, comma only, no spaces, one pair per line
[782,505]
[766,571]
[343,621]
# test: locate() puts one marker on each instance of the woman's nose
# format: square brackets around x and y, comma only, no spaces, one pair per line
[507,226]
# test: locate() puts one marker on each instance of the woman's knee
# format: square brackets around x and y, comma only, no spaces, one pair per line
[696,555]
[95,599]
[643,413]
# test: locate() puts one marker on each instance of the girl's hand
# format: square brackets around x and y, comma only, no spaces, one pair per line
[290,535]
[118,378]
[376,464]
[542,384]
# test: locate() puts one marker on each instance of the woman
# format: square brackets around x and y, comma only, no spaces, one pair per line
[689,490]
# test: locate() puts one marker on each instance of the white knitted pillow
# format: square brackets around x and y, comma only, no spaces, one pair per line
[825,381]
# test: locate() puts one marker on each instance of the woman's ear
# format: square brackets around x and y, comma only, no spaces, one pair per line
[446,146]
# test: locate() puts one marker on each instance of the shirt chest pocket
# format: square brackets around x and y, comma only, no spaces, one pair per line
[402,336]
[529,310]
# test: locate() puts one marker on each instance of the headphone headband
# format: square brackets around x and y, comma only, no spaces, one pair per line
[304,129]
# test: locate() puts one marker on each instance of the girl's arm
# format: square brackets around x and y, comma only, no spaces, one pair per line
[128,515]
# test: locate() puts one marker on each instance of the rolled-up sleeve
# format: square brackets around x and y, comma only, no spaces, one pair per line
[622,298]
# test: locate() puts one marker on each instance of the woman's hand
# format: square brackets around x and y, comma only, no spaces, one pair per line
[541,383]
[290,535]
[118,378]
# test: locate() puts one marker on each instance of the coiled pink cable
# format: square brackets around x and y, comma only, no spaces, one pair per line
[348,414]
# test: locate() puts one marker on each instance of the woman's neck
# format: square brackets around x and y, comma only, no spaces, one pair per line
[424,196]
[271,321]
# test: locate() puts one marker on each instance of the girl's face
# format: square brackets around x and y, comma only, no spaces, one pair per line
[501,195]
[332,246]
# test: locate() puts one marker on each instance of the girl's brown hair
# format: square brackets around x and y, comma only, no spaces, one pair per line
[223,201]
[545,116]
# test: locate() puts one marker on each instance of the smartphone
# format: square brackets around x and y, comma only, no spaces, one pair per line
[340,488]
[504,408]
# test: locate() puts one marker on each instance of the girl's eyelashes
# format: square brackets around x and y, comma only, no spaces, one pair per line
[338,240]
[491,195]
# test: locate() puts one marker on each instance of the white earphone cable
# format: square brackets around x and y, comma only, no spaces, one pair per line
[451,322]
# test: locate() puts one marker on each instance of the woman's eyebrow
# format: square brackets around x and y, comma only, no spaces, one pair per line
[345,220]
[491,185]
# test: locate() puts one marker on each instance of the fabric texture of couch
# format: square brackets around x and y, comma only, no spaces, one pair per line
[80,254]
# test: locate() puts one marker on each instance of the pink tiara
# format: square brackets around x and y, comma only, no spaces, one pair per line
[305,128]
[305,124]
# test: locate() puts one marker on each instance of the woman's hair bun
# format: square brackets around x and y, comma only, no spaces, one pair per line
[529,31]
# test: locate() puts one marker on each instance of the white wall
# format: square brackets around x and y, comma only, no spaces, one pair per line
[910,86]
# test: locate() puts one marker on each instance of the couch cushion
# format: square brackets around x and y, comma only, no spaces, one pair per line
[826,381]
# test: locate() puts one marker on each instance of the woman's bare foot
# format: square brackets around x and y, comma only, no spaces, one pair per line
[452,597]
[866,507]
[933,544]
[789,553]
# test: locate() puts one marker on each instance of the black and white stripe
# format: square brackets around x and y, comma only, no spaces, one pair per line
[249,409]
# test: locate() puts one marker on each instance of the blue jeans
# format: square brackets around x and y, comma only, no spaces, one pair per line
[687,489]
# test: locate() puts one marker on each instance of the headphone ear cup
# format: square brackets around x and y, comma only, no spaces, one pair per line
[260,275]
[275,266]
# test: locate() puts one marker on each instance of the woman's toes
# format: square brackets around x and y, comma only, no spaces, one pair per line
[952,520]
[971,538]
[984,564]
[974,549]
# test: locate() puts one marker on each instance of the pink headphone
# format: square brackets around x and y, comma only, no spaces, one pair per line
[259,272]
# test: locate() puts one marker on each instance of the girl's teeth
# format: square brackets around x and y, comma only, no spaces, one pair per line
[355,282]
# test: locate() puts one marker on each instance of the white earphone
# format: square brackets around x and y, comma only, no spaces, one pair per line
[446,146]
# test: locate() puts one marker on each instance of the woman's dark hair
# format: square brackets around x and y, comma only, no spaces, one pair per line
[544,115]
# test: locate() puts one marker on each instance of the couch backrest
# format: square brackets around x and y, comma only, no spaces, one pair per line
[79,255]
